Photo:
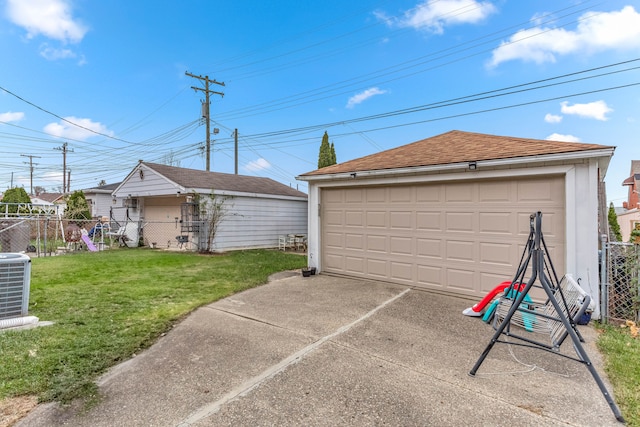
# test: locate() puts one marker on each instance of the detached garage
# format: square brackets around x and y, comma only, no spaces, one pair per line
[451,213]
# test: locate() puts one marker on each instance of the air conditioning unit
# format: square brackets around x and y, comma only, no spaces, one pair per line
[15,278]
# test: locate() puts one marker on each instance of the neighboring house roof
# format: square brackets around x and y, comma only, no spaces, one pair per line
[456,147]
[107,188]
[632,179]
[196,179]
[51,197]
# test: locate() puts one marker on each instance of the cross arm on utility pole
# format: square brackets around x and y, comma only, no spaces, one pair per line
[205,110]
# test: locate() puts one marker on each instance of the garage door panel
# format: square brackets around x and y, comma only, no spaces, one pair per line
[401,245]
[430,276]
[495,223]
[429,194]
[460,250]
[461,280]
[377,243]
[459,192]
[401,271]
[459,221]
[354,241]
[377,268]
[496,192]
[496,253]
[462,237]
[431,248]
[376,219]
[354,218]
[429,221]
[354,265]
[401,220]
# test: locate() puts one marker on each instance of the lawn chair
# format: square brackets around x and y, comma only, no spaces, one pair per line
[119,236]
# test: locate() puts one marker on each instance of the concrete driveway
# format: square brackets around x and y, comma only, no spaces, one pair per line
[327,351]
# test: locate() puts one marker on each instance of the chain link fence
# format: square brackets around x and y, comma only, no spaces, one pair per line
[620,270]
[51,235]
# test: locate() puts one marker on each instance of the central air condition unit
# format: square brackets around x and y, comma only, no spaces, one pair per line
[15,277]
[131,203]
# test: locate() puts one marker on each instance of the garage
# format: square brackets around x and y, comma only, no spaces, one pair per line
[461,237]
[455,219]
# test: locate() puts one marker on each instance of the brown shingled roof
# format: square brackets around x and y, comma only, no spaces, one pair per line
[455,147]
[193,178]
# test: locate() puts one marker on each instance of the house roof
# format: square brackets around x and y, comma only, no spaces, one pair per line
[103,188]
[50,197]
[455,147]
[193,178]
[632,179]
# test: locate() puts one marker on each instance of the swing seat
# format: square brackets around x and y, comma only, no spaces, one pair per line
[544,318]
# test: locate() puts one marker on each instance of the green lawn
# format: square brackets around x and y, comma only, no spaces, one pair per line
[622,363]
[109,305]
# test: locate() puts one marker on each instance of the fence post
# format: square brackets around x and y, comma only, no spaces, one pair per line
[604,284]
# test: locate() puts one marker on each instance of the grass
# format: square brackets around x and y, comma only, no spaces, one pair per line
[110,305]
[622,363]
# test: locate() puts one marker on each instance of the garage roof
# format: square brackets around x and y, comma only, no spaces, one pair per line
[455,147]
[198,179]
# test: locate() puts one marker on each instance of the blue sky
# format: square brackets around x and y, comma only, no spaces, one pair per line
[108,78]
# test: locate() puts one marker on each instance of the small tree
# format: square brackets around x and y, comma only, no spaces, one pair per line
[213,210]
[614,226]
[14,196]
[334,160]
[77,207]
[327,155]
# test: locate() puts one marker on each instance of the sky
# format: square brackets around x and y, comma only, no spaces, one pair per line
[108,79]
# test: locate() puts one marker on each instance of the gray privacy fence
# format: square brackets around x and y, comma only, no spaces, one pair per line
[620,280]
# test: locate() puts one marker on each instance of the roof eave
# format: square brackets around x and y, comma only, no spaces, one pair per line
[604,154]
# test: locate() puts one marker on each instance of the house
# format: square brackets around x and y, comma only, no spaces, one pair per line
[629,217]
[45,200]
[100,200]
[163,201]
[451,213]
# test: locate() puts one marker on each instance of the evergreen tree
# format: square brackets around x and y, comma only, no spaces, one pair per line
[334,160]
[15,195]
[324,157]
[77,206]
[614,227]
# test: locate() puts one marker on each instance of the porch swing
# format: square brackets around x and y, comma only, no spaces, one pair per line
[516,315]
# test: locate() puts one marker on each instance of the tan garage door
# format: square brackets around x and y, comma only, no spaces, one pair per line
[460,237]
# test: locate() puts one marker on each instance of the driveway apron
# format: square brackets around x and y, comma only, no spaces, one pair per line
[326,351]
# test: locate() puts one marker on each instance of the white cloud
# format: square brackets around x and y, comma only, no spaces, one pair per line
[10,116]
[593,110]
[596,31]
[363,96]
[563,138]
[552,118]
[51,18]
[53,54]
[64,129]
[257,165]
[435,15]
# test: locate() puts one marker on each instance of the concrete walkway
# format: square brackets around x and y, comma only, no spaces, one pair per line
[327,351]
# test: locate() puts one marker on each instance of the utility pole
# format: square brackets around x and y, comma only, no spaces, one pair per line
[205,110]
[64,150]
[30,168]
[69,181]
[235,137]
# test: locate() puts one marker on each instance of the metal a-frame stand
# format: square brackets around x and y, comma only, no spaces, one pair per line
[536,252]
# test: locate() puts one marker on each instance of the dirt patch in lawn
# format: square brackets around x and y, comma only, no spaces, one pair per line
[15,408]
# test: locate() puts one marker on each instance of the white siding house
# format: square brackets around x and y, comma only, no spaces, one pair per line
[160,198]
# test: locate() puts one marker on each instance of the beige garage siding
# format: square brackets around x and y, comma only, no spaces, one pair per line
[460,237]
